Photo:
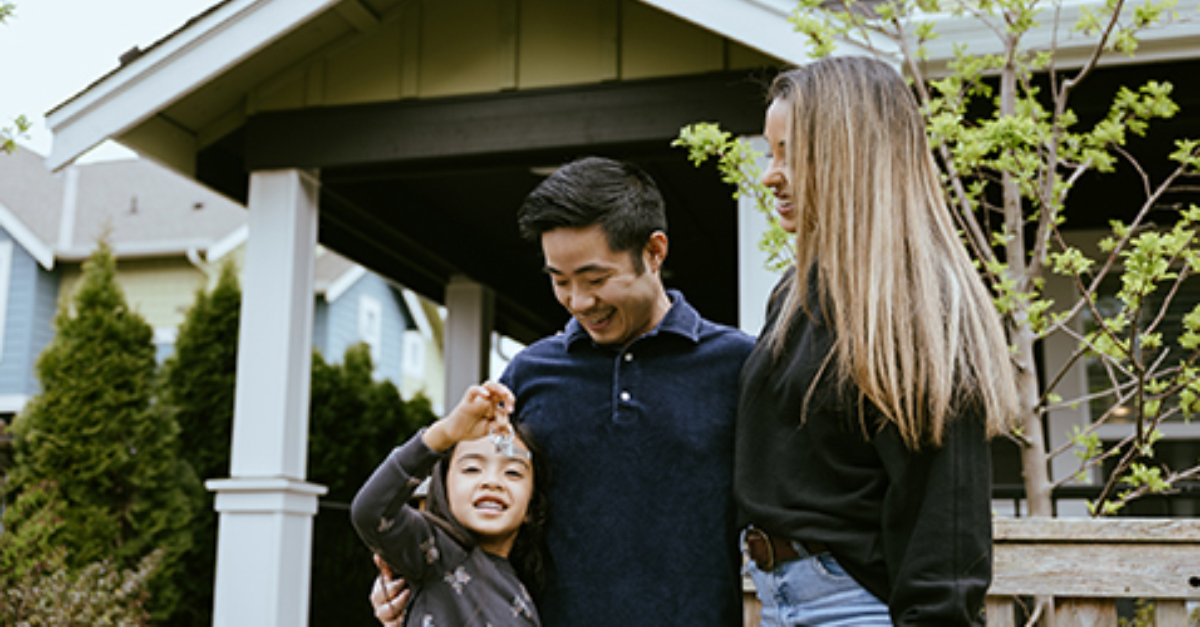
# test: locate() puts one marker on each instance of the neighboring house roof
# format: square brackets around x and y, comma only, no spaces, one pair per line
[31,200]
[145,209]
[333,274]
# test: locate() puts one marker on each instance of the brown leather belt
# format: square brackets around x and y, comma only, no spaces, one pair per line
[769,551]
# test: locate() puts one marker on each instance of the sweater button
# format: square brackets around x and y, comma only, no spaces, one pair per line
[628,356]
[625,396]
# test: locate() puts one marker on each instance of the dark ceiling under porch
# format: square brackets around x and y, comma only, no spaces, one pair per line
[421,190]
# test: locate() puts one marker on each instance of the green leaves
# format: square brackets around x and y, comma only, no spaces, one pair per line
[737,166]
[1011,149]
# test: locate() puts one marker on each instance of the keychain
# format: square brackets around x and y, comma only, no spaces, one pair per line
[502,437]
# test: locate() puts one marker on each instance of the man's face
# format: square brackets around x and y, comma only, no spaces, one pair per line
[601,288]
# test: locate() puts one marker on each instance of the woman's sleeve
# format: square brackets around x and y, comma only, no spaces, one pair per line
[937,525]
[402,536]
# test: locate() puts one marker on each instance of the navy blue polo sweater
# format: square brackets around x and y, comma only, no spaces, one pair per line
[639,441]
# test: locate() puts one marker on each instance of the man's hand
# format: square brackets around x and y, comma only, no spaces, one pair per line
[389,596]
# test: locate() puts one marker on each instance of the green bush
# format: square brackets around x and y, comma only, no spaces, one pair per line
[355,422]
[93,432]
[197,391]
[37,587]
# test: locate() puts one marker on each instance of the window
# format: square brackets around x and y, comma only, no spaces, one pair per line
[414,355]
[370,327]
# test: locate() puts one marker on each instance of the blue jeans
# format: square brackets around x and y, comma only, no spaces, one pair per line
[815,590]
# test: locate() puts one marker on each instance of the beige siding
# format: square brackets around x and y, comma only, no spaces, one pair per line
[568,42]
[449,48]
[369,71]
[654,44]
[740,57]
[160,290]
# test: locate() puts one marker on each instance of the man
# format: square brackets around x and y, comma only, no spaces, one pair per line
[634,404]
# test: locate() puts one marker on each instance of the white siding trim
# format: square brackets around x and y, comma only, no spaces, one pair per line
[418,312]
[38,249]
[196,54]
[166,335]
[344,283]
[70,204]
[6,248]
[227,244]
[12,403]
[763,25]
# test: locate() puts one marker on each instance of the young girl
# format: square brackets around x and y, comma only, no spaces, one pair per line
[467,555]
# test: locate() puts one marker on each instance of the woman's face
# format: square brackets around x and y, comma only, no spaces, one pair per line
[778,176]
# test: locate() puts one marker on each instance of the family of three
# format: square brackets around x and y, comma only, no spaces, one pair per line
[622,472]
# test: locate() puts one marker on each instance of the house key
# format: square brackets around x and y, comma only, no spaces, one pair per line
[502,437]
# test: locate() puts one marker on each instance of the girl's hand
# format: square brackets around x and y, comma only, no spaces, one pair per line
[483,410]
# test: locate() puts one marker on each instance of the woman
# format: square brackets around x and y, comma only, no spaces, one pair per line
[862,459]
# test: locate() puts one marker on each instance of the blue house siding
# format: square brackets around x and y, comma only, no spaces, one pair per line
[41,331]
[341,324]
[28,321]
[321,329]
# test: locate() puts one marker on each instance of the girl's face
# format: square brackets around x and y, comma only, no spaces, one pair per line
[489,492]
[778,176]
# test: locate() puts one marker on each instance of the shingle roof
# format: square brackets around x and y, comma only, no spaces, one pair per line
[146,210]
[31,193]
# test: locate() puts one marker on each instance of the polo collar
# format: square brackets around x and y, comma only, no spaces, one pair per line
[681,320]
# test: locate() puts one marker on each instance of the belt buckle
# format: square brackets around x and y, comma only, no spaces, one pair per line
[753,533]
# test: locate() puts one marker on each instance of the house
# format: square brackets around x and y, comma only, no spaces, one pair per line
[170,237]
[403,135]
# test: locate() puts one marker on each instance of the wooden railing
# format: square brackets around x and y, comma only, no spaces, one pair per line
[1086,564]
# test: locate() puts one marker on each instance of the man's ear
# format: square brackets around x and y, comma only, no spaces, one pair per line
[655,252]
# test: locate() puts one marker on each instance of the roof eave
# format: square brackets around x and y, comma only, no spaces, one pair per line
[170,70]
[764,26]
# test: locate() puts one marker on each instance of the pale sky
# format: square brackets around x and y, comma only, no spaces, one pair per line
[51,50]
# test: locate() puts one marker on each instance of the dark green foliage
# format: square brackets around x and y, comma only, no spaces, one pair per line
[37,587]
[93,432]
[197,391]
[355,422]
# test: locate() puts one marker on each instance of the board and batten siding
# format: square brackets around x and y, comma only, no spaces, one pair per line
[440,49]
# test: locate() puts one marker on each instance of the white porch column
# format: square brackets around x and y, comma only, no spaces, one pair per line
[754,279]
[470,310]
[264,539]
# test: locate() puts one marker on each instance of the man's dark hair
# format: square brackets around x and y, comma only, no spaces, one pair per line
[617,195]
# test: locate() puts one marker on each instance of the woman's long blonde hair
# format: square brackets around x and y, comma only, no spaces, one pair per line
[916,330]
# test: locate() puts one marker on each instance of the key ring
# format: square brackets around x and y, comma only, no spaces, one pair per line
[502,437]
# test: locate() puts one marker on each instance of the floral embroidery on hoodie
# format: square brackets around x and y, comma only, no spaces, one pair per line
[458,579]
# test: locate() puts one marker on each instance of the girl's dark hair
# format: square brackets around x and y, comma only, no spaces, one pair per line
[529,555]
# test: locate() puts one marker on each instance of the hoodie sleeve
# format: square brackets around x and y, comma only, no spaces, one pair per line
[405,539]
